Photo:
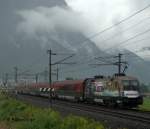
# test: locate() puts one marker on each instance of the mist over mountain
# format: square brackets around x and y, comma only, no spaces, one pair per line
[84,58]
[14,50]
[138,66]
[29,28]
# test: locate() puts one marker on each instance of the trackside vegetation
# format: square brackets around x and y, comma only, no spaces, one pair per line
[17,115]
[146,104]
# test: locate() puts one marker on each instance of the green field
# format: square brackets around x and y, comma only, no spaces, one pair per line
[17,115]
[146,104]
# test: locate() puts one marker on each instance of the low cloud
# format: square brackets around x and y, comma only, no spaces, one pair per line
[86,17]
[105,13]
[43,22]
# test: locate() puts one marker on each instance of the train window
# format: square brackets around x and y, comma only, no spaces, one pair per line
[130,84]
[125,83]
[134,83]
[99,86]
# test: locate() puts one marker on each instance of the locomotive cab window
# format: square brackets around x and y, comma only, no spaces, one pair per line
[130,85]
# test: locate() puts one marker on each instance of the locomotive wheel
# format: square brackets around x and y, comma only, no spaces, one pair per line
[106,103]
[113,103]
[110,103]
[120,105]
[77,99]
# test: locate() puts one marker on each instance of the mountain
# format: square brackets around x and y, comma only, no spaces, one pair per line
[14,50]
[138,66]
[31,53]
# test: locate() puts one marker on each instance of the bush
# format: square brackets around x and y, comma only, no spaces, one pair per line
[75,122]
[11,110]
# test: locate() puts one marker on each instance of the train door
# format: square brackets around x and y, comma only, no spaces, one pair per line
[88,92]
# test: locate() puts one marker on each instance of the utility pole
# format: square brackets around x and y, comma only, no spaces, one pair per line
[119,63]
[50,75]
[36,78]
[50,79]
[16,75]
[50,69]
[57,71]
[6,79]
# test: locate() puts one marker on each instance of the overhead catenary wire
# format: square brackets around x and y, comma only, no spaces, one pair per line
[126,29]
[137,41]
[131,37]
[121,43]
[87,67]
[127,39]
[76,70]
[62,60]
[125,42]
[114,25]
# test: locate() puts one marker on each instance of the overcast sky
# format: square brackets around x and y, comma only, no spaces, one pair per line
[90,17]
[101,14]
[34,19]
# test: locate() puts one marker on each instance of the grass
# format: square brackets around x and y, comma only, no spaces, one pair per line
[146,104]
[17,115]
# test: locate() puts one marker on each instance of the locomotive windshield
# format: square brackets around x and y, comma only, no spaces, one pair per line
[130,85]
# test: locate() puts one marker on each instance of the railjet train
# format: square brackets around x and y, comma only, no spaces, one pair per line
[119,90]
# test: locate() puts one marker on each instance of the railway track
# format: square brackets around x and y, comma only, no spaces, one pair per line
[138,117]
[130,116]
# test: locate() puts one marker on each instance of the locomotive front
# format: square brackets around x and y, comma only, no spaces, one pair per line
[130,91]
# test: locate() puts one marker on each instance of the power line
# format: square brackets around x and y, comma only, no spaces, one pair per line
[108,62]
[83,65]
[135,52]
[114,25]
[61,61]
[123,42]
[103,59]
[108,28]
[117,25]
[147,38]
[118,33]
[130,28]
[127,18]
[129,38]
[92,59]
[118,63]
[50,74]
[120,23]
[50,53]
